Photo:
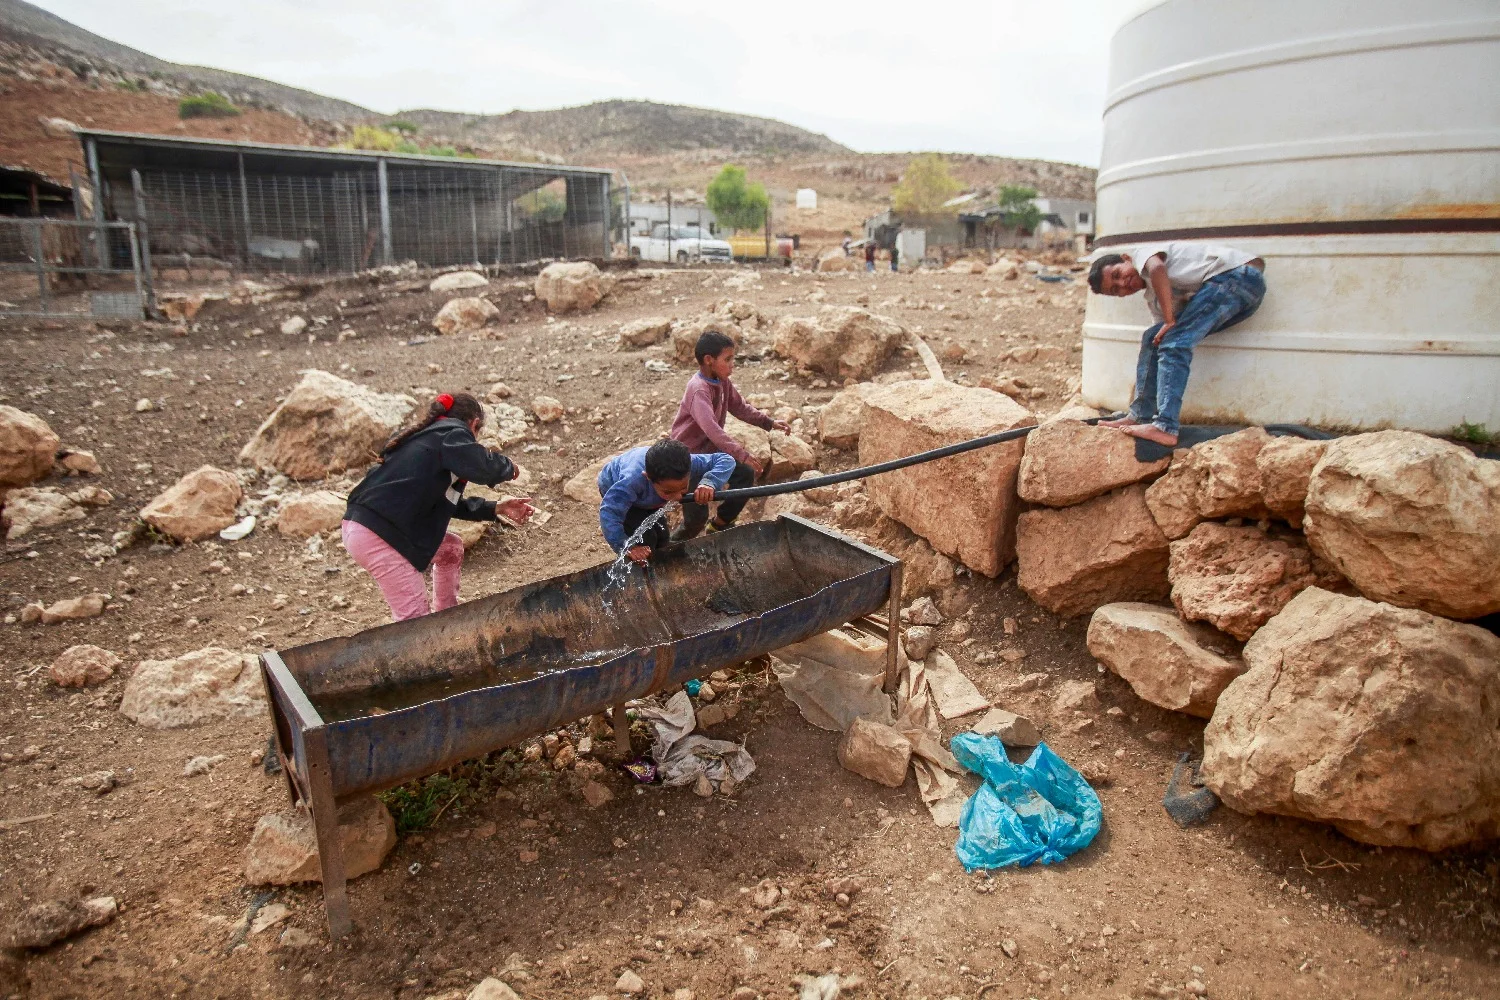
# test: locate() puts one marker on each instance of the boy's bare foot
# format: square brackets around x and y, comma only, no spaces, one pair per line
[1125,421]
[1150,432]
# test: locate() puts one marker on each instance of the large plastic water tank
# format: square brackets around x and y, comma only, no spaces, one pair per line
[1354,146]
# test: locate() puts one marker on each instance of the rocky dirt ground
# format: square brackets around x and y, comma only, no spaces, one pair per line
[522,878]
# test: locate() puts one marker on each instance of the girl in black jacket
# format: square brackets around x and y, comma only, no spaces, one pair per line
[396,524]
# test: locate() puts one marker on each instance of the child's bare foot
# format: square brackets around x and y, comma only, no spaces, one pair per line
[1150,432]
[1125,421]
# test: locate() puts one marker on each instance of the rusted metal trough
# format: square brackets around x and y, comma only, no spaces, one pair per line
[360,713]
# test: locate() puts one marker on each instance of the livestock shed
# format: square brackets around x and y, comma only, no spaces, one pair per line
[301,209]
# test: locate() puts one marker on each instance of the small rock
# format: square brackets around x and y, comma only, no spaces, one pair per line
[596,794]
[1014,730]
[919,641]
[547,409]
[923,612]
[456,280]
[875,751]
[1195,988]
[498,392]
[766,895]
[79,463]
[202,765]
[74,608]
[296,937]
[269,916]
[284,849]
[1076,695]
[491,988]
[629,983]
[81,666]
[464,314]
[47,923]
[293,326]
[703,786]
[1008,945]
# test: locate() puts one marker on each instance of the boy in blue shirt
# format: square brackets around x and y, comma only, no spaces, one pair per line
[643,480]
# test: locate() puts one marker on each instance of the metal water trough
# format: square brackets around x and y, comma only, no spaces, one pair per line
[360,713]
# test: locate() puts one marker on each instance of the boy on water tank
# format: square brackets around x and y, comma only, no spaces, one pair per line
[1193,290]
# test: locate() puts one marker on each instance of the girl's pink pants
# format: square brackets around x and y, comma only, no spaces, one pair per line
[400,582]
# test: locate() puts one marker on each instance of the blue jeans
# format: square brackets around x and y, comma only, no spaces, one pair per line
[869,265]
[1161,371]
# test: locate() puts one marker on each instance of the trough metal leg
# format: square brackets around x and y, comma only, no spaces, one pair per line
[326,824]
[622,732]
[893,633]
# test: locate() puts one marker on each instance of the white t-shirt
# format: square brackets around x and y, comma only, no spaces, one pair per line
[1189,265]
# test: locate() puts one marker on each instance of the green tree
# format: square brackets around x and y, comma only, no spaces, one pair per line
[372,138]
[402,126]
[736,202]
[1018,209]
[925,186]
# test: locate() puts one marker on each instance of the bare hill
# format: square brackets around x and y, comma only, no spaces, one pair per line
[604,128]
[88,54]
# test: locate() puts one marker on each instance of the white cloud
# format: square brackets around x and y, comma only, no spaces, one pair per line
[983,76]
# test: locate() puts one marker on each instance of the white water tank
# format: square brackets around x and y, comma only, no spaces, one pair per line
[1354,146]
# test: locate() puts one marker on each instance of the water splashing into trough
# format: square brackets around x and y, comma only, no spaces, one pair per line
[619,570]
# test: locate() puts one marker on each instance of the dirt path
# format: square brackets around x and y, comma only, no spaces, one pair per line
[1248,907]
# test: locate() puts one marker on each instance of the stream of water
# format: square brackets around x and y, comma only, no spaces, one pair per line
[619,570]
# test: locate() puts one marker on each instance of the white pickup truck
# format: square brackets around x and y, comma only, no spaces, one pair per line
[684,245]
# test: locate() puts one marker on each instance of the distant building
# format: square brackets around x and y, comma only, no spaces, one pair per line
[807,198]
[970,223]
[1072,216]
[646,215]
[303,209]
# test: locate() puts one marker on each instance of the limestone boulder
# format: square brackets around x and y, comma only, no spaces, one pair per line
[283,850]
[685,334]
[197,506]
[843,341]
[27,447]
[1072,560]
[504,425]
[1238,578]
[840,419]
[571,286]
[1171,663]
[1004,269]
[965,506]
[201,686]
[835,261]
[1219,478]
[1068,462]
[548,409]
[75,462]
[326,424]
[644,332]
[33,508]
[1378,719]
[73,609]
[1410,520]
[876,751]
[464,314]
[1286,465]
[83,666]
[455,281]
[310,514]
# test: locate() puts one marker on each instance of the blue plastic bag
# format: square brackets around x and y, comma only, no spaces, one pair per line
[1041,810]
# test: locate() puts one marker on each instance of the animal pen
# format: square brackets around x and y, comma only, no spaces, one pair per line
[253,207]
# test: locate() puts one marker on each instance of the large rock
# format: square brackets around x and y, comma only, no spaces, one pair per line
[964,505]
[1165,660]
[1410,520]
[455,280]
[324,425]
[685,334]
[1219,478]
[27,447]
[570,286]
[840,419]
[199,505]
[875,751]
[1286,465]
[36,507]
[310,514]
[1073,559]
[837,260]
[843,341]
[644,332]
[464,314]
[784,456]
[83,666]
[1238,578]
[1068,462]
[284,847]
[200,686]
[1377,719]
[73,609]
[43,924]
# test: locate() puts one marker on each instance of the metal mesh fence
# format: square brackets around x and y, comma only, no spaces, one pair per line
[333,222]
[60,267]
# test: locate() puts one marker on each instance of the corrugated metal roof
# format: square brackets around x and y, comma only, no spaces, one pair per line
[318,152]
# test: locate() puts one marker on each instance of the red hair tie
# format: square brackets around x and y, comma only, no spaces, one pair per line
[446,400]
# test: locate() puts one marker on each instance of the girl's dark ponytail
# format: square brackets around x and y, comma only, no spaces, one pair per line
[459,405]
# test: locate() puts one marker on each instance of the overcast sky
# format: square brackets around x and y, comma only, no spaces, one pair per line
[1008,77]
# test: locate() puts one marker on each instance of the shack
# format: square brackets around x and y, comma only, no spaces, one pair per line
[301,209]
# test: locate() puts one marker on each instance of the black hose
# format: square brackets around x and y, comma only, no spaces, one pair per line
[798,485]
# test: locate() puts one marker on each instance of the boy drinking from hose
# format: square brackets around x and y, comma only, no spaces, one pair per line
[1193,290]
[643,480]
[700,425]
